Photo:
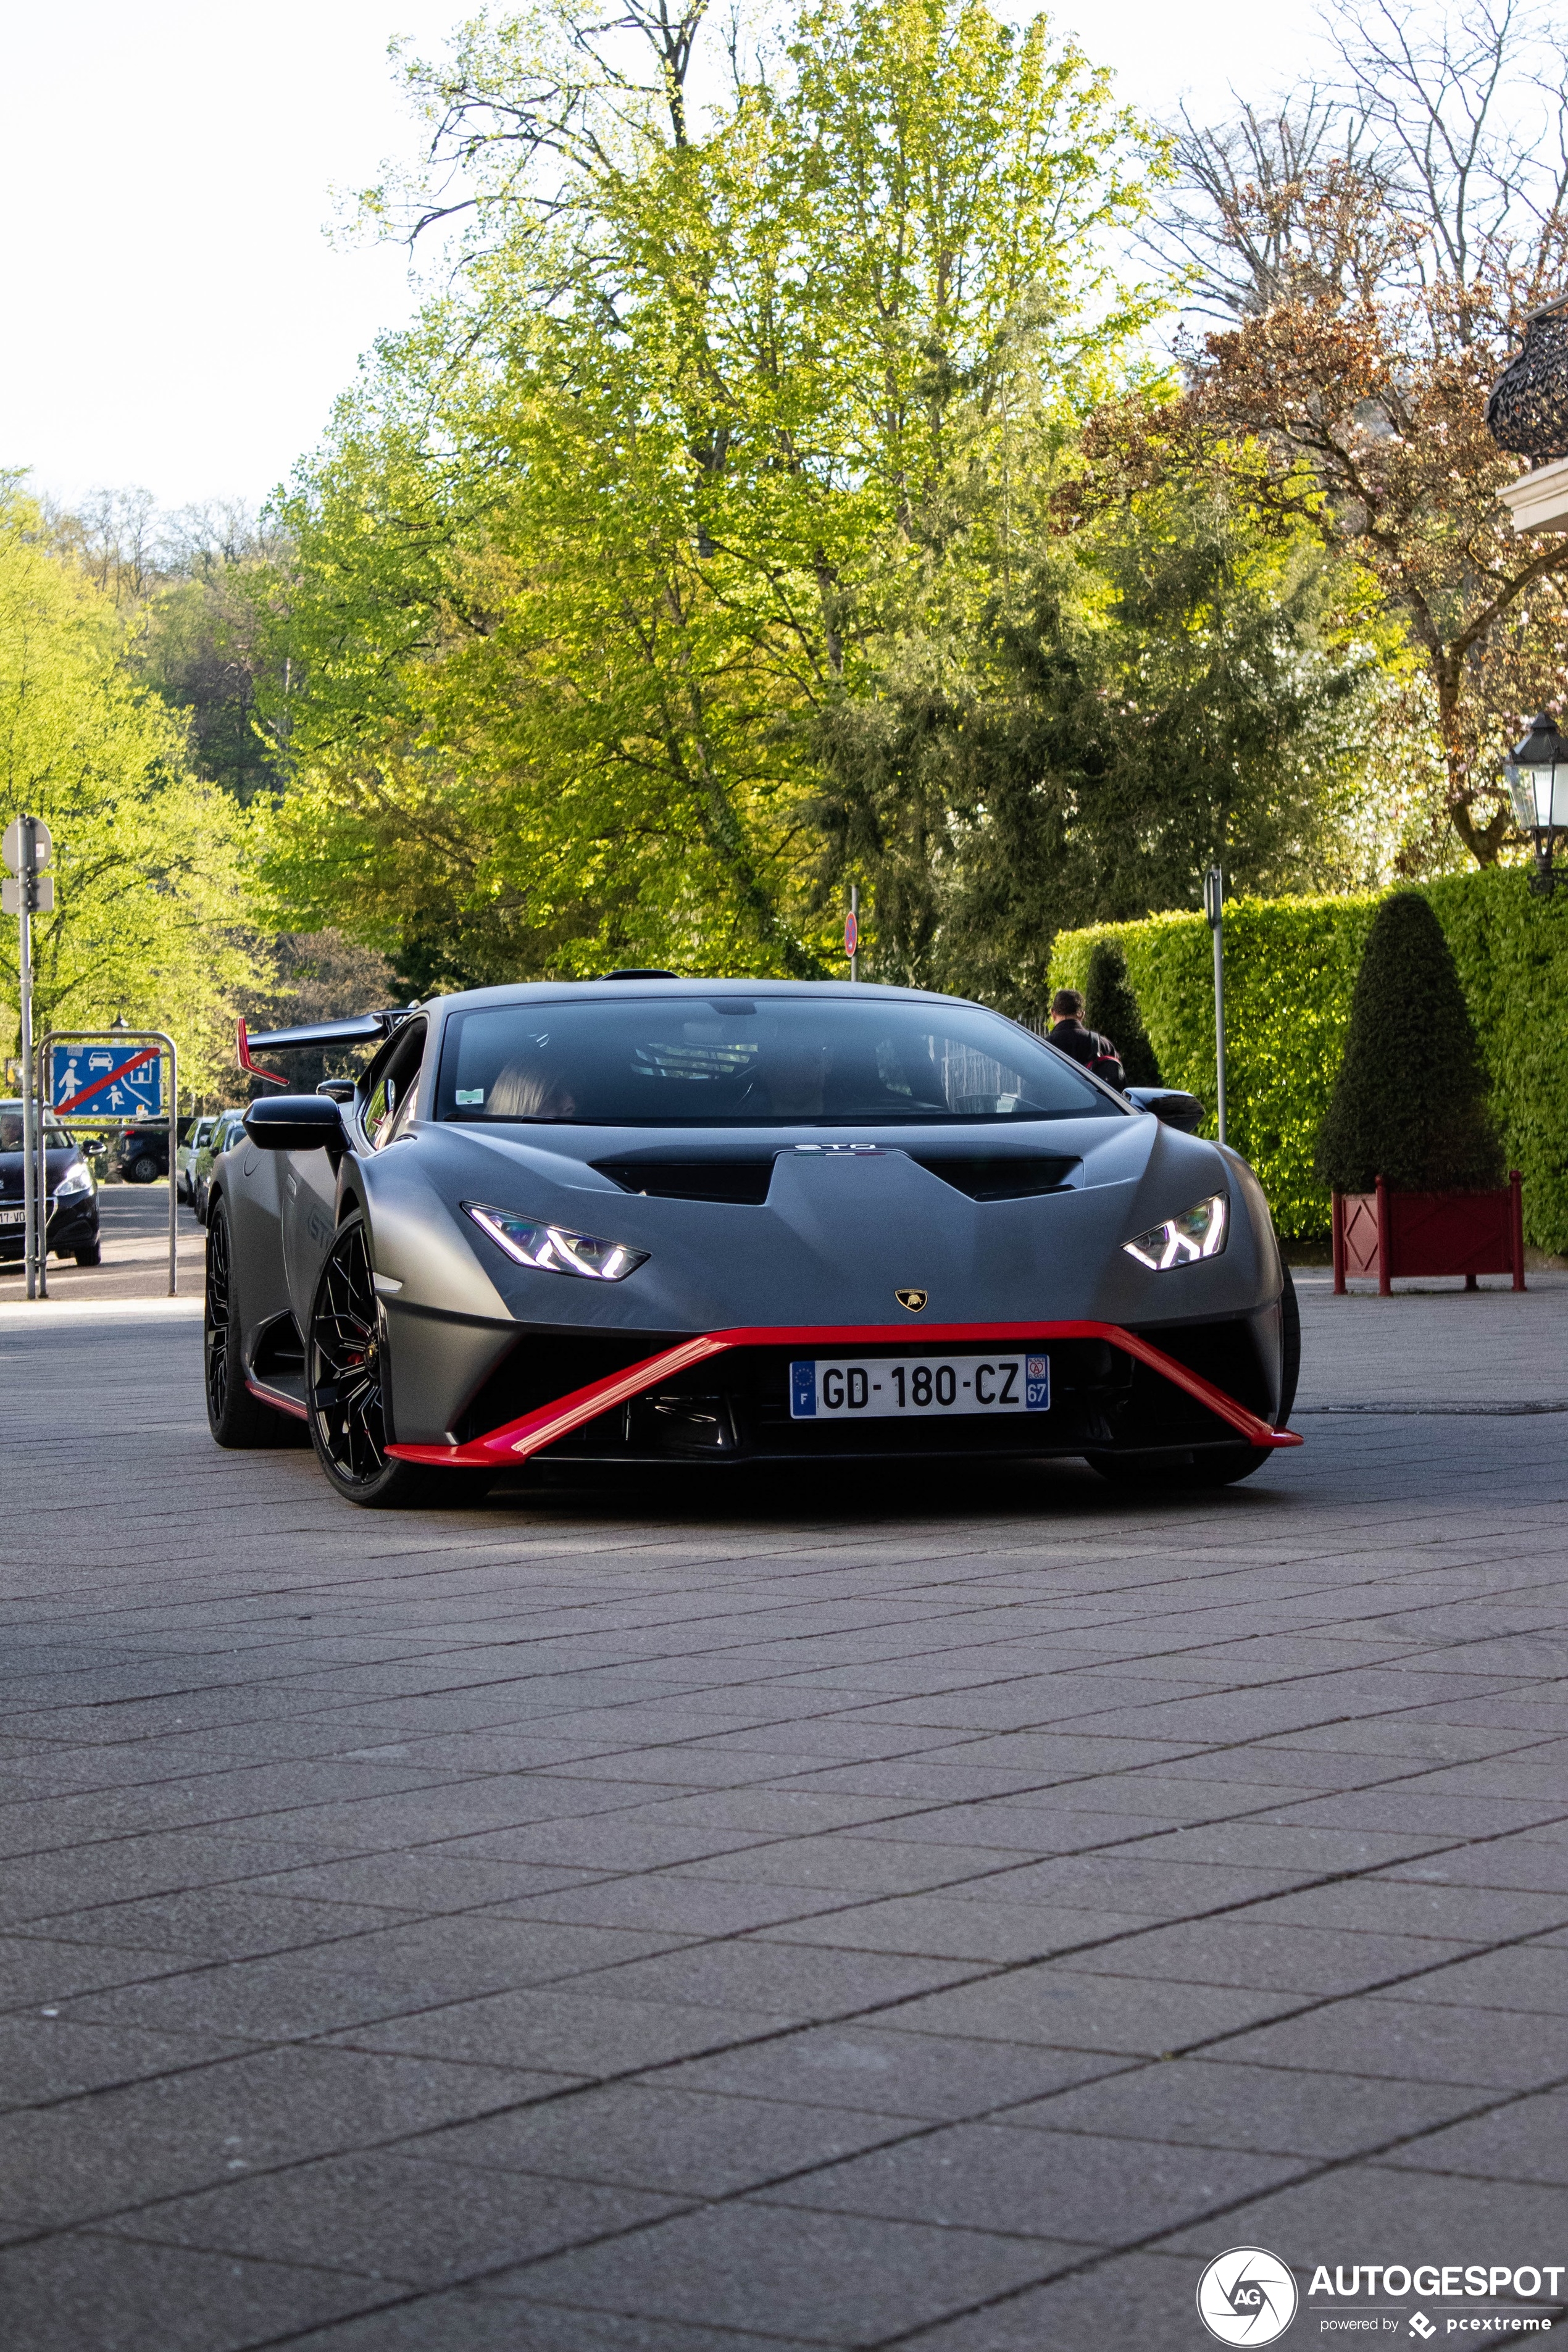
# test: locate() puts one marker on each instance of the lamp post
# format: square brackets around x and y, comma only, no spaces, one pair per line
[1213,907]
[1536,773]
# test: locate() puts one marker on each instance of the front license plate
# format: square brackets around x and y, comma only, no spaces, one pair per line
[12,1216]
[917,1387]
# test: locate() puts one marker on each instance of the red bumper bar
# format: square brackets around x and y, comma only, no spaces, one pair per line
[546,1423]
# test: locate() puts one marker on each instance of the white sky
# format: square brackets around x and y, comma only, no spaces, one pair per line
[178,321]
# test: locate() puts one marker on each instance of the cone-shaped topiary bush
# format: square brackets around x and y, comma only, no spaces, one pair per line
[1110,1006]
[1410,1102]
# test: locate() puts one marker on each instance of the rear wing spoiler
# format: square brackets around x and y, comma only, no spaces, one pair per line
[355,1029]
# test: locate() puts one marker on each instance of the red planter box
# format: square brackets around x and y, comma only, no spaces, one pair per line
[1388,1233]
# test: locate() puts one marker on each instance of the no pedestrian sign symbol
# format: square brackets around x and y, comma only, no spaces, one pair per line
[107,1081]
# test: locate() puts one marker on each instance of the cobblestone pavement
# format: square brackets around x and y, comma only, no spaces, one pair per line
[697,1917]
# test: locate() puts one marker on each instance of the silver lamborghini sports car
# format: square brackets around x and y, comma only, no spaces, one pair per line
[645,1219]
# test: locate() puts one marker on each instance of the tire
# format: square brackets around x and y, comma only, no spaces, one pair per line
[1291,1370]
[92,1255]
[143,1169]
[236,1418]
[345,1370]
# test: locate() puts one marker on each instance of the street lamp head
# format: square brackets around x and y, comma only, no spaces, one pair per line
[1536,773]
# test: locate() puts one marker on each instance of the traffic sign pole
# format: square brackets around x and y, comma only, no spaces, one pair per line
[128,1043]
[27,847]
[1213,907]
[30,1252]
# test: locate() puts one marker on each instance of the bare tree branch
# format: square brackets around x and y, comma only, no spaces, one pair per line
[530,106]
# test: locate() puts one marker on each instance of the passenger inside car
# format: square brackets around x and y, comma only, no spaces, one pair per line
[530,1091]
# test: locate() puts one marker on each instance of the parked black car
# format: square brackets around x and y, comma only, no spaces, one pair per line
[72,1227]
[144,1149]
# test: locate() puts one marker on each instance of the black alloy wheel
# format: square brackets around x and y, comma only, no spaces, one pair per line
[235,1417]
[346,1382]
[1290,1346]
[143,1169]
[216,1324]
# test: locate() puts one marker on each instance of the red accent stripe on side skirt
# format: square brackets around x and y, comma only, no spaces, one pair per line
[276,1398]
[546,1423]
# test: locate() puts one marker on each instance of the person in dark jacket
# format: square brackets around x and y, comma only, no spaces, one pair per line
[1069,1035]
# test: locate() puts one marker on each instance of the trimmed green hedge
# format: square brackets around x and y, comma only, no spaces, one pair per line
[1290,972]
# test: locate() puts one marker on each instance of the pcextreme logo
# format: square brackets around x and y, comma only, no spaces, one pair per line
[1246,2296]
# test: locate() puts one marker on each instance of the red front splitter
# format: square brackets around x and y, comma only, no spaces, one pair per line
[534,1431]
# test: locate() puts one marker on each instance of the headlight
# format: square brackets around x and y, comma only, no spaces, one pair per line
[1181,1241]
[554,1251]
[77,1179]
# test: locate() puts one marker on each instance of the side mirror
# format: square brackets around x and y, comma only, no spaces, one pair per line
[1169,1104]
[338,1090]
[296,1123]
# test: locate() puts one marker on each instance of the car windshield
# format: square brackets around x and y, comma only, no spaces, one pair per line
[730,1058]
[55,1137]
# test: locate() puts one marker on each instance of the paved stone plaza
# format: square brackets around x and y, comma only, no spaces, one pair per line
[709,1916]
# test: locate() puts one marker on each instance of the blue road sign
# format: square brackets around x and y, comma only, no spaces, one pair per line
[107,1081]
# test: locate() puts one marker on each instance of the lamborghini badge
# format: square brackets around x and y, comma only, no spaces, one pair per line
[914,1299]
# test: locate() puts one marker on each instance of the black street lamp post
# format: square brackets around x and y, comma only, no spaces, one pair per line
[1537,776]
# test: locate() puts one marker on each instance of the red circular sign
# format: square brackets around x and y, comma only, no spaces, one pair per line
[851,935]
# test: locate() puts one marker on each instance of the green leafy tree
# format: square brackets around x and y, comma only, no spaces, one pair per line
[148,860]
[1161,683]
[203,643]
[589,556]
[191,590]
[1373,246]
[1410,1103]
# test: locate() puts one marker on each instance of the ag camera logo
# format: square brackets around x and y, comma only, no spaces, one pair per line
[1246,2296]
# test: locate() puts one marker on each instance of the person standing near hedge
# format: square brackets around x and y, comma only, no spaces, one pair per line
[1070,1036]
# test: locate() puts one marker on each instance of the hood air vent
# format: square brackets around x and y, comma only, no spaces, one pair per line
[997,1176]
[984,1176]
[693,1180]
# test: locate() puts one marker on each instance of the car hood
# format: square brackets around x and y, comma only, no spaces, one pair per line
[11,1177]
[840,1231]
